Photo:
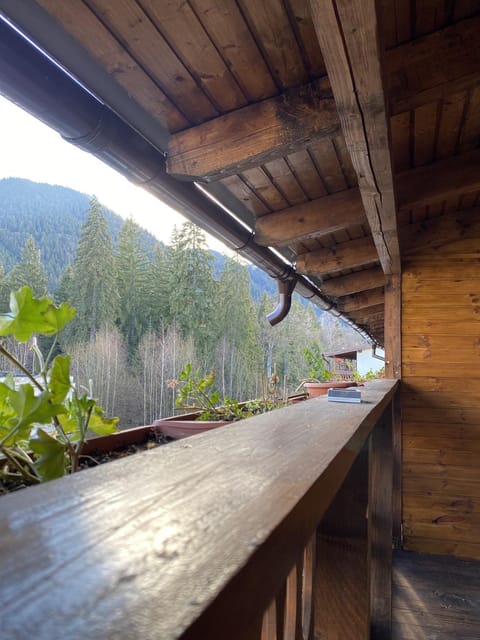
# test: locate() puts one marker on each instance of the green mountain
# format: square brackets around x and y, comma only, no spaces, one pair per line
[53,215]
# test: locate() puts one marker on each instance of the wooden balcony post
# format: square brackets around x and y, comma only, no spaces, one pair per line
[380,528]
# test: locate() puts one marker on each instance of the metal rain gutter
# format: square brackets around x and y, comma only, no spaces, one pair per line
[35,83]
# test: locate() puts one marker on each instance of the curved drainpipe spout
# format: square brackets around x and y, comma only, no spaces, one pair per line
[285,290]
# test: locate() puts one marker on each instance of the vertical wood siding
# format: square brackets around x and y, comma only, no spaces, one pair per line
[441,399]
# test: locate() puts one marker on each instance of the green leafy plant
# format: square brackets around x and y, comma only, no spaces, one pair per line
[319,371]
[197,393]
[44,422]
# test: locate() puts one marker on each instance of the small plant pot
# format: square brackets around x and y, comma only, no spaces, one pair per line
[178,427]
[315,389]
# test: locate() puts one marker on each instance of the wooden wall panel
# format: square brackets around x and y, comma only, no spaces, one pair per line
[441,400]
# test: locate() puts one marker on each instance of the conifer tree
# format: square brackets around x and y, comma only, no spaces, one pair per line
[29,271]
[132,283]
[95,292]
[192,289]
[157,303]
[4,290]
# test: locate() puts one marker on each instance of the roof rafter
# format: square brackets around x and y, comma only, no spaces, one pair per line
[254,134]
[354,282]
[346,255]
[361,300]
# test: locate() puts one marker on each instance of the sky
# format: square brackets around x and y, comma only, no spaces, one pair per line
[29,149]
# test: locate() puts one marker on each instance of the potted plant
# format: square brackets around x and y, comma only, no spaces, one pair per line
[206,409]
[320,377]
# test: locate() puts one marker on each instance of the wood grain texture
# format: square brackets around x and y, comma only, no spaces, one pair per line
[364,300]
[210,529]
[433,67]
[311,220]
[254,134]
[354,283]
[380,529]
[441,386]
[345,255]
[435,597]
[348,36]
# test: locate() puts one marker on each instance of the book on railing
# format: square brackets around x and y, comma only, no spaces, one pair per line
[344,395]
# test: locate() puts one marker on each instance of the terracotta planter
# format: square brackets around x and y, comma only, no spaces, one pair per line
[104,444]
[315,389]
[178,427]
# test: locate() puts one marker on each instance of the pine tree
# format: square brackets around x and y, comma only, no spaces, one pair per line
[132,279]
[192,289]
[29,271]
[95,293]
[157,303]
[4,290]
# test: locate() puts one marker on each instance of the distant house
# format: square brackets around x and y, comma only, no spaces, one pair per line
[360,358]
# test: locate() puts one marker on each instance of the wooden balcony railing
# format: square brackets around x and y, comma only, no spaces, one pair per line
[277,527]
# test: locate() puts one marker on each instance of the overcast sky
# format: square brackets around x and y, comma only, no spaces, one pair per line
[30,149]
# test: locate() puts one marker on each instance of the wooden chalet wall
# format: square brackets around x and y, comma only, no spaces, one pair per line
[441,388]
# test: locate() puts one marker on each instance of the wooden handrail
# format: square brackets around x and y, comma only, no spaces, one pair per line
[192,540]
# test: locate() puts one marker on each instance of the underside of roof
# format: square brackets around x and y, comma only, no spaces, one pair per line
[334,131]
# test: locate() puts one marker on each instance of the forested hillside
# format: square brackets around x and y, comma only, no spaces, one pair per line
[145,309]
[53,216]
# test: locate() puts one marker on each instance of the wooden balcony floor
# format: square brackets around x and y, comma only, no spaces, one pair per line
[435,597]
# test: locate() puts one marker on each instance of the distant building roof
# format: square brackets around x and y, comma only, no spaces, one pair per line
[349,352]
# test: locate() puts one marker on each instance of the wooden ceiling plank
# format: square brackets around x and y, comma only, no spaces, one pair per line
[346,255]
[146,45]
[274,34]
[254,134]
[285,181]
[354,282]
[326,160]
[361,300]
[450,122]
[310,220]
[179,24]
[303,25]
[242,191]
[470,134]
[304,169]
[83,26]
[434,66]
[347,32]
[438,233]
[264,188]
[425,118]
[226,27]
[439,181]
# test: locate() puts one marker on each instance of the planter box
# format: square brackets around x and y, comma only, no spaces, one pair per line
[118,440]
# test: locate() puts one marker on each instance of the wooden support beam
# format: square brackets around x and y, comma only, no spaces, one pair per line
[369,315]
[254,134]
[361,300]
[310,220]
[353,283]
[433,67]
[346,255]
[439,181]
[438,232]
[380,530]
[347,31]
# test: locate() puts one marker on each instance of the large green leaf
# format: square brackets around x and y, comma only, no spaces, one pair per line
[101,425]
[26,317]
[31,408]
[58,317]
[51,459]
[59,378]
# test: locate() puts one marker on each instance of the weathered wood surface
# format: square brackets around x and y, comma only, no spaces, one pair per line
[435,597]
[348,36]
[380,486]
[362,300]
[250,136]
[345,255]
[191,540]
[310,220]
[354,282]
[433,67]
